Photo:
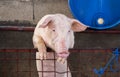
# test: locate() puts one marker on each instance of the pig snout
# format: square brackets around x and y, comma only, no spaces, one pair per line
[63,54]
[61,49]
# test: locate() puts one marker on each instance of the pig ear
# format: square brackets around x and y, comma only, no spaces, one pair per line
[78,26]
[45,21]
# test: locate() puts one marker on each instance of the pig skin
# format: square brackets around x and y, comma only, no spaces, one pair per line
[56,32]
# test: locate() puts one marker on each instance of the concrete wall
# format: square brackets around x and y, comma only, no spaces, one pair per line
[30,11]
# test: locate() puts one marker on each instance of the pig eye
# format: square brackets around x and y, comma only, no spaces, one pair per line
[53,30]
[69,31]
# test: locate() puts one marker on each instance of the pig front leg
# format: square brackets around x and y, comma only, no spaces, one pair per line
[40,45]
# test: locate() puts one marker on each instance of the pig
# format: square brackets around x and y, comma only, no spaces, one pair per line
[56,31]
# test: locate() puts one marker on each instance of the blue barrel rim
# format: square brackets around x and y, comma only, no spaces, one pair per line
[105,27]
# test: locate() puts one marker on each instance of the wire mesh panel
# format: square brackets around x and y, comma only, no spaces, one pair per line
[83,62]
[22,63]
[17,63]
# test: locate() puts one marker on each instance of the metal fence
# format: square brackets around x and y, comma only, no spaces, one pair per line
[82,62]
[22,63]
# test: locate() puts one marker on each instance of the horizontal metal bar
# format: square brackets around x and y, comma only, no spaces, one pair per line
[44,71]
[16,28]
[31,29]
[18,50]
[51,71]
[5,59]
[71,50]
[112,31]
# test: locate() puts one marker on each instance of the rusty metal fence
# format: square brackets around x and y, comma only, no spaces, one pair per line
[22,62]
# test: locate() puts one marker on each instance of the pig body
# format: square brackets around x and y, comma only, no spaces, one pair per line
[56,32]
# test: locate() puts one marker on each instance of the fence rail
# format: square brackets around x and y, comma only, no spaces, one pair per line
[71,50]
[31,29]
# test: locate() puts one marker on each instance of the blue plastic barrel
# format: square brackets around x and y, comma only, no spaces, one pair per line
[98,14]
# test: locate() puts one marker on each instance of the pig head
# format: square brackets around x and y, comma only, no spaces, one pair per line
[57,32]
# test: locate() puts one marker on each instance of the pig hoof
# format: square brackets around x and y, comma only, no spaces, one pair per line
[43,55]
[61,60]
